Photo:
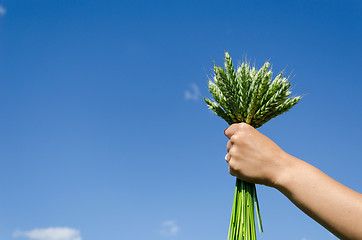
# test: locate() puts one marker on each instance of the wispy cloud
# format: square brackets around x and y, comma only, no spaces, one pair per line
[52,233]
[193,93]
[169,228]
[304,239]
[2,11]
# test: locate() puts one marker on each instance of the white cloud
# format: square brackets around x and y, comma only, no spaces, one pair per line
[56,233]
[169,228]
[193,94]
[304,239]
[2,11]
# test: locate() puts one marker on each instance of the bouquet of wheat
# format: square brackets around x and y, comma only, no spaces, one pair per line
[251,96]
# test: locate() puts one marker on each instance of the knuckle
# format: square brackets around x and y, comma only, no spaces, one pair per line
[232,151]
[244,127]
[238,138]
[228,146]
[235,165]
[232,165]
[234,138]
[231,171]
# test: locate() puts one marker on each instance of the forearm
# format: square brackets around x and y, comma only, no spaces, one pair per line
[253,157]
[333,205]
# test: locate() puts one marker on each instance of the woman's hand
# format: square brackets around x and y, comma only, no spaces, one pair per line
[252,156]
[255,158]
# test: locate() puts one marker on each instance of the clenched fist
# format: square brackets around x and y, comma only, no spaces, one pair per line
[253,157]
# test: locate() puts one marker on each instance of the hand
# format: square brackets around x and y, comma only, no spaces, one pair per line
[252,156]
[255,158]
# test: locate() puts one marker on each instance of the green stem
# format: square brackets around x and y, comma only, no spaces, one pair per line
[242,221]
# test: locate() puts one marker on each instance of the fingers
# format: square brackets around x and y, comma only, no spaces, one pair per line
[229,145]
[231,130]
[236,127]
[232,172]
[227,157]
[231,165]
[236,133]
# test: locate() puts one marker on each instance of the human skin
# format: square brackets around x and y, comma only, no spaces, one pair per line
[254,158]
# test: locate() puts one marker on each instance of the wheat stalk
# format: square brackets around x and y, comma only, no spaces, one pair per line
[251,96]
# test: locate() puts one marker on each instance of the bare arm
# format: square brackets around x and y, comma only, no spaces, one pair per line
[255,158]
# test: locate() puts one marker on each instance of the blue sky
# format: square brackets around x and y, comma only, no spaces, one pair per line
[103,134]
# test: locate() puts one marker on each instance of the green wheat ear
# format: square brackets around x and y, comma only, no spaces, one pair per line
[251,96]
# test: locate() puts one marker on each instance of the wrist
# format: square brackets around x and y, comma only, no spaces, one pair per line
[287,165]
